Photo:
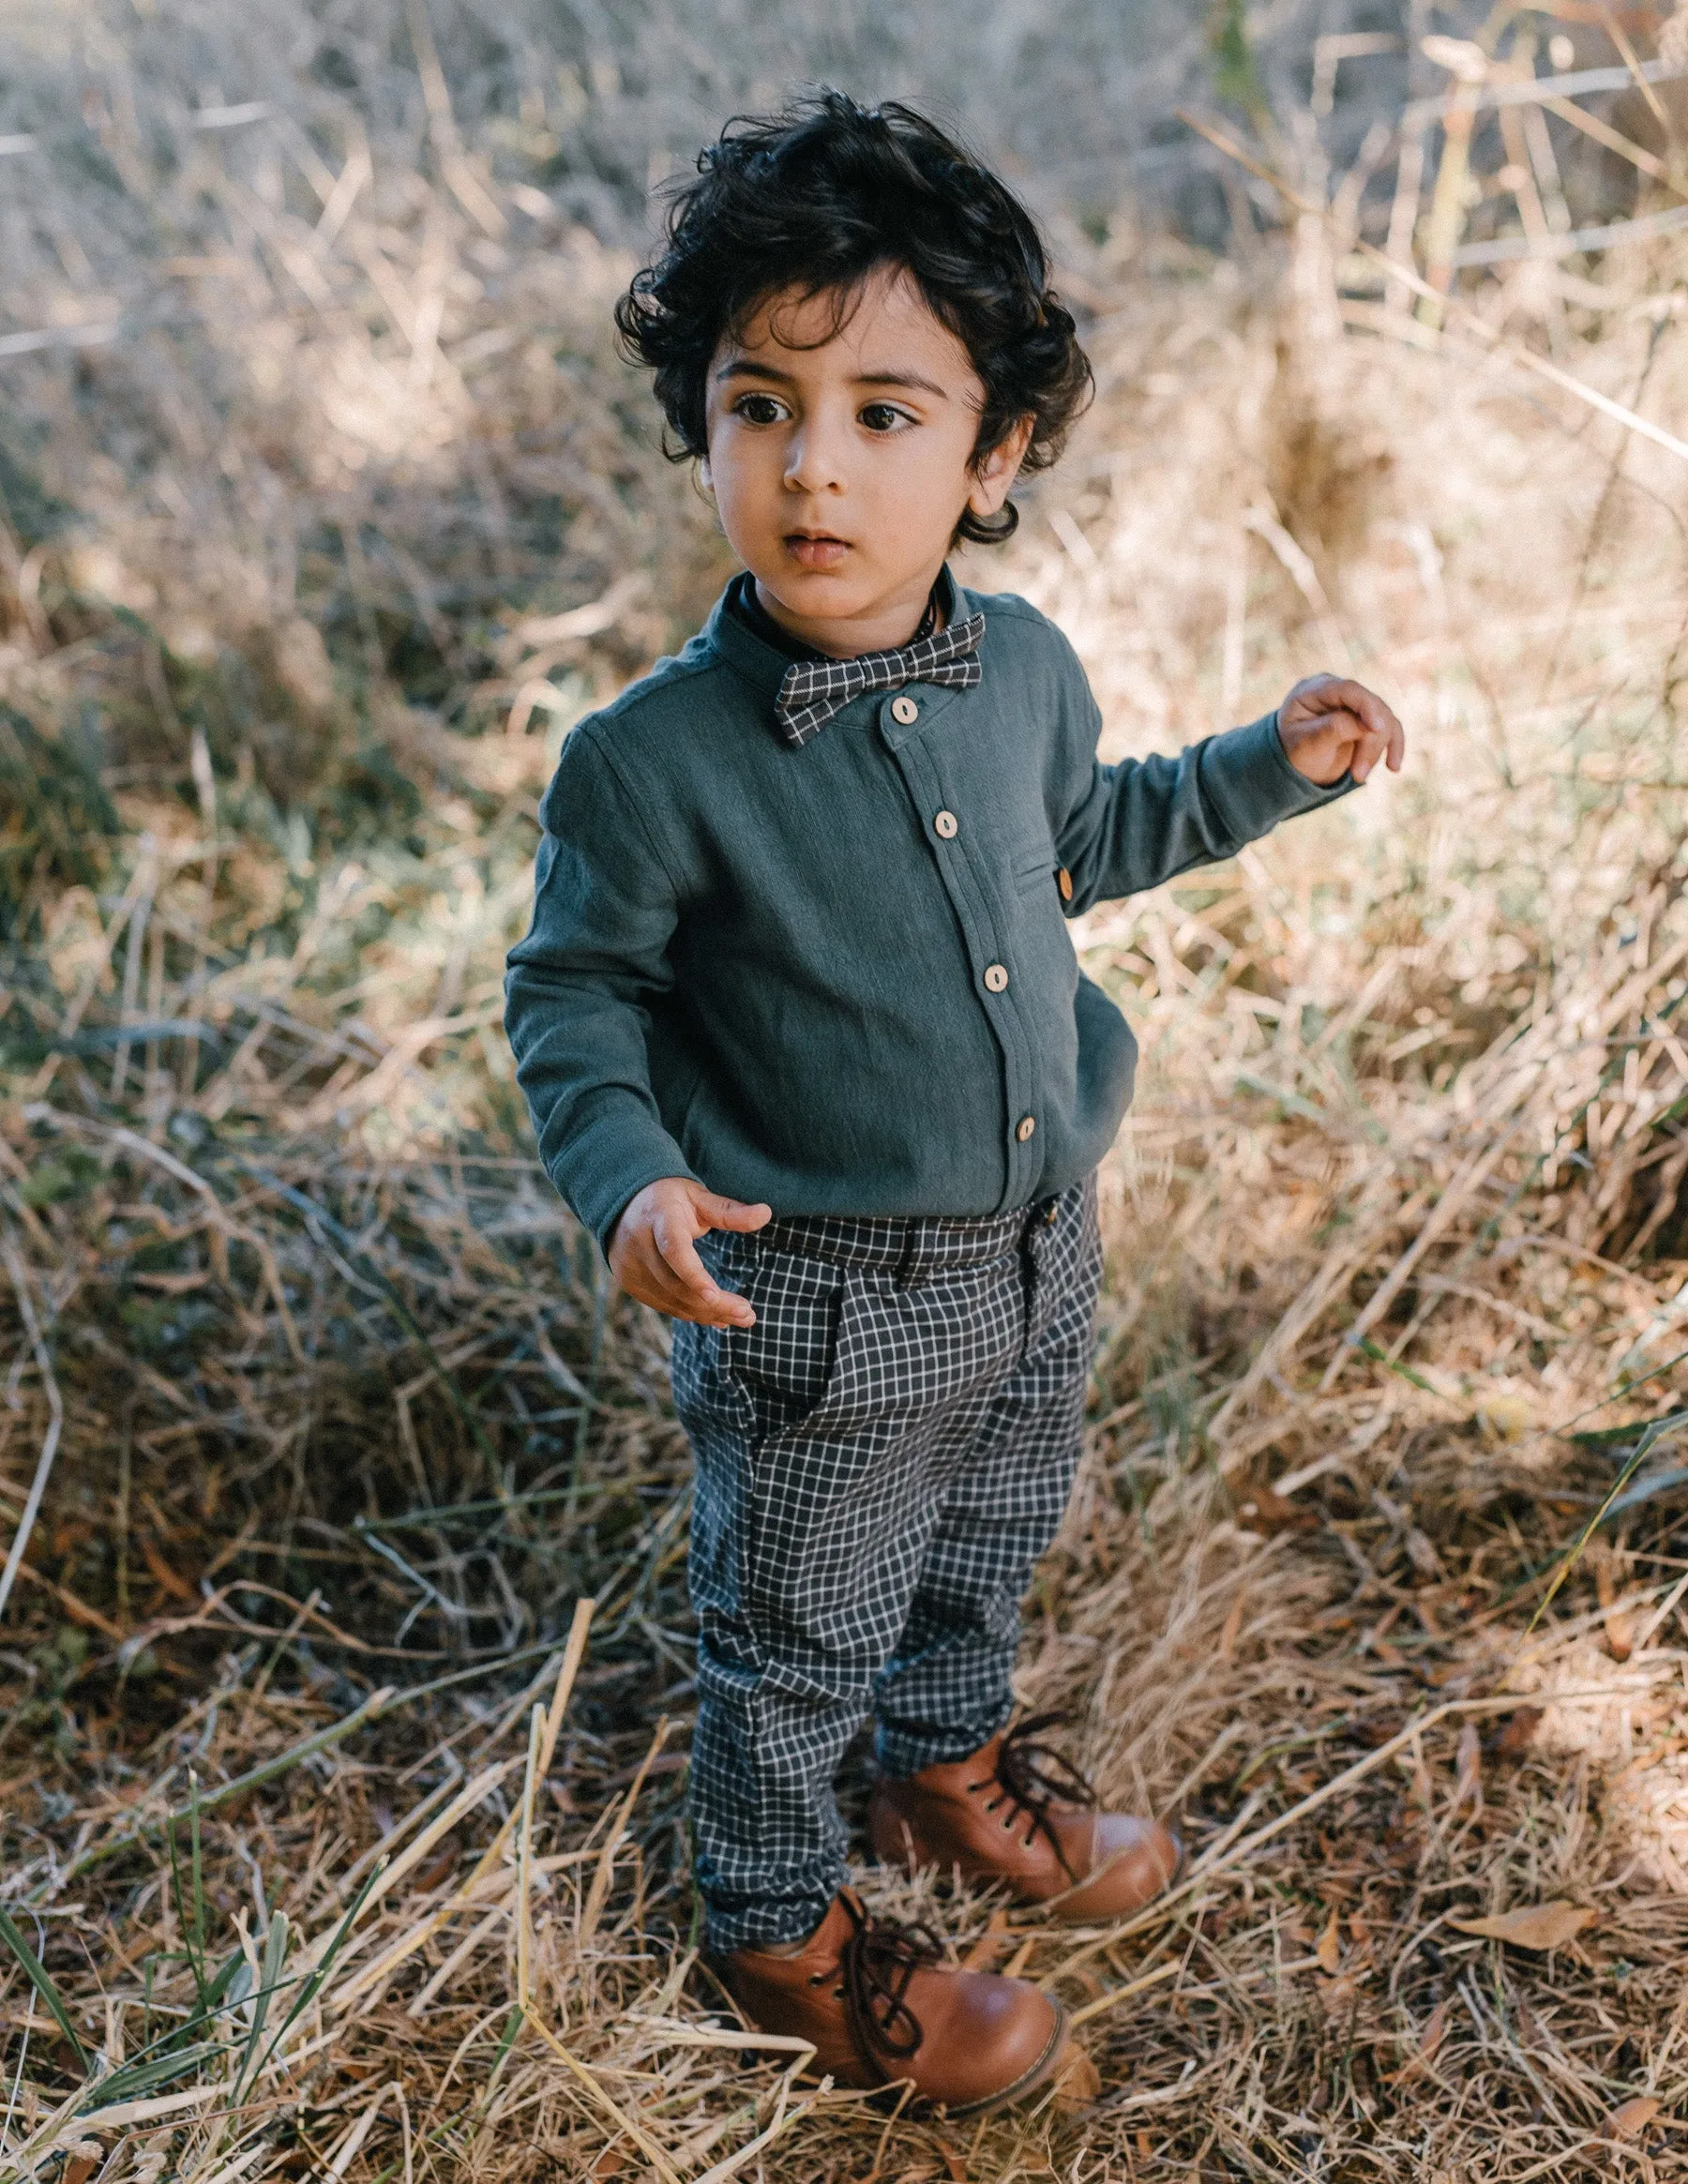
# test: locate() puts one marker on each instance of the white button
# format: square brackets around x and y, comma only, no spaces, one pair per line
[1025,1126]
[946,824]
[996,978]
[904,709]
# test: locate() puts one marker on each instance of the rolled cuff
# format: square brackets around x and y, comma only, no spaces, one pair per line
[1250,779]
[608,1159]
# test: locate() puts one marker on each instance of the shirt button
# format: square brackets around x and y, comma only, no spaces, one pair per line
[946,824]
[905,710]
[996,978]
[1024,1127]
[1063,879]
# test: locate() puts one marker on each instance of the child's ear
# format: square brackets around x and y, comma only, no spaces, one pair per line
[996,472]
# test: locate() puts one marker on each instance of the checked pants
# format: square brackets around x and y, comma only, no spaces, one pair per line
[880,1460]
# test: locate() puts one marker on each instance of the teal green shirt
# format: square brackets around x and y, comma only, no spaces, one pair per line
[839,977]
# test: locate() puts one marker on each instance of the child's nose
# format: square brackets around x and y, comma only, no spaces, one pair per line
[812,460]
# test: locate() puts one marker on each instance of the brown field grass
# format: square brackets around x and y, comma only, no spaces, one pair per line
[346,1663]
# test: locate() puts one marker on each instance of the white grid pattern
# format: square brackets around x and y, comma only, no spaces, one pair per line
[811,691]
[880,1460]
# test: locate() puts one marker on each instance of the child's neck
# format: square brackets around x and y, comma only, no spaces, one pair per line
[880,629]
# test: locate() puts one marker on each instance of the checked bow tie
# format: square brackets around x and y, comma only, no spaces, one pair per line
[812,691]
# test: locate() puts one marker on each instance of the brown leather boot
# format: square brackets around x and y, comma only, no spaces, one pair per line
[881,2007]
[1017,1812]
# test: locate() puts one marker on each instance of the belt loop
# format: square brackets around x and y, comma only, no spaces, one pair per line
[905,1265]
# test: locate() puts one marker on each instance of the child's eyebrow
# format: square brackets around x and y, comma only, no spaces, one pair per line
[747,368]
[929,386]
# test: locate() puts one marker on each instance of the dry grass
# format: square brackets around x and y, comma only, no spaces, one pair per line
[337,1857]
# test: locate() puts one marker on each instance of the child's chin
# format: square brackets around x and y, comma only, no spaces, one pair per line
[819,595]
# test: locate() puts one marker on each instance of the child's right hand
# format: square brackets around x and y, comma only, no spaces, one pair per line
[652,1254]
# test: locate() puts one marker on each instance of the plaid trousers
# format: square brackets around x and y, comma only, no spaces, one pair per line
[880,1460]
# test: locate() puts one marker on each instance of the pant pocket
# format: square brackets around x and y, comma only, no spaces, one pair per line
[1065,1260]
[784,1363]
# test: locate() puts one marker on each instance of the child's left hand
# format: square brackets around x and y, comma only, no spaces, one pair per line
[1330,726]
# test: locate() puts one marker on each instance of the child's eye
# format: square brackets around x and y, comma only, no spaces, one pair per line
[883,418]
[759,409]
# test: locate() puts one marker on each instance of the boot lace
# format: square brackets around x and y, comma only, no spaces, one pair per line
[1031,1776]
[875,1966]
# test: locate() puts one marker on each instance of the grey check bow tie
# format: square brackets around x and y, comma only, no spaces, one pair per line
[811,691]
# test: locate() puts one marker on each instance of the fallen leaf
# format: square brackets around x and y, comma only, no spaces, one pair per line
[1262,1510]
[610,2163]
[1436,2024]
[78,2172]
[1145,2151]
[1467,1781]
[1329,1951]
[1536,1926]
[958,2167]
[1228,1635]
[1515,1738]
[1630,2119]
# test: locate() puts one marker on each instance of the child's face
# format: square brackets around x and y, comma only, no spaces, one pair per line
[841,470]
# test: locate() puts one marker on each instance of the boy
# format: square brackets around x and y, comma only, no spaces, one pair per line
[806,1047]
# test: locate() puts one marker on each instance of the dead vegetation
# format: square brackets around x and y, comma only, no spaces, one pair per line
[340,1840]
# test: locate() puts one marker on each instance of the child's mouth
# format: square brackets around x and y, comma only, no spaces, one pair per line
[816,550]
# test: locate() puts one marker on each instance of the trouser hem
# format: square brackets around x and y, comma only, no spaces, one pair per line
[726,1929]
[902,1753]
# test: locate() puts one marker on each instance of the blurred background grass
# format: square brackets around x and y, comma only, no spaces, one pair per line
[326,510]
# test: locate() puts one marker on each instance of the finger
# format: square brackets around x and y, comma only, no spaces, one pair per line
[720,1212]
[1369,748]
[678,1302]
[1351,697]
[1378,718]
[720,1306]
[1310,697]
[653,1281]
[1362,739]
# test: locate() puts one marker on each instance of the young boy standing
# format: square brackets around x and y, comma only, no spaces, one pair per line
[808,1047]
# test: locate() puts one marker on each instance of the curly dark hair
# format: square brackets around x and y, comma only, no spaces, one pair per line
[816,199]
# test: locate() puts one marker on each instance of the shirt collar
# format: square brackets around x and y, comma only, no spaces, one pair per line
[761,664]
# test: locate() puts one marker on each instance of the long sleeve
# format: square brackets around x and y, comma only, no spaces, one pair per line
[1143,821]
[580,987]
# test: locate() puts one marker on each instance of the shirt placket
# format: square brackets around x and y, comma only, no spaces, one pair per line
[941,803]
